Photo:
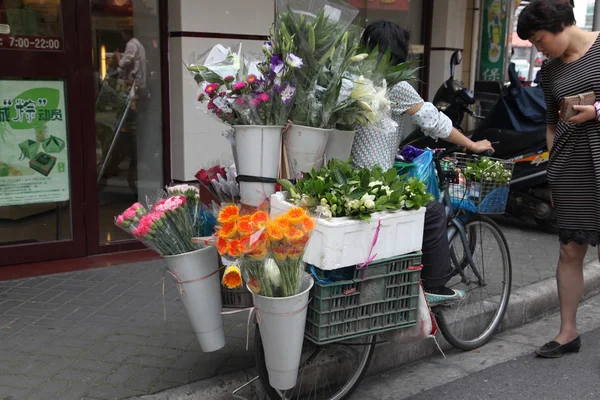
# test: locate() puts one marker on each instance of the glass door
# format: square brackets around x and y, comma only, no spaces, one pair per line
[41,181]
[125,39]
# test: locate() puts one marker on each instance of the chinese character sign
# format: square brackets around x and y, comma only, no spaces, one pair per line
[493,40]
[33,143]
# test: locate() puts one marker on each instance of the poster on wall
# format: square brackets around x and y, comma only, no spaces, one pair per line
[33,142]
[493,40]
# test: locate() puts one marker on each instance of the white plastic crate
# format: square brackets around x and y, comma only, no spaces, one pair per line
[343,242]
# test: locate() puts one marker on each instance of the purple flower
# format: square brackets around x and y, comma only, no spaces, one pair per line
[268,47]
[287,92]
[277,65]
[294,61]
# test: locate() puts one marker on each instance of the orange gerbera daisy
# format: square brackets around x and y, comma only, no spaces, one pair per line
[304,240]
[282,222]
[294,252]
[279,252]
[293,234]
[308,224]
[245,244]
[228,230]
[259,219]
[254,285]
[245,226]
[232,277]
[228,214]
[258,253]
[234,248]
[222,245]
[295,215]
[274,231]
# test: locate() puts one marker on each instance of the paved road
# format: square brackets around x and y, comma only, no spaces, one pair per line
[571,377]
[506,368]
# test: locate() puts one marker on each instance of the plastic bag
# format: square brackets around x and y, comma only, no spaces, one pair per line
[424,170]
[426,326]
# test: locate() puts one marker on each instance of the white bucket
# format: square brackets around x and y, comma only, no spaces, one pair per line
[281,321]
[257,152]
[305,148]
[201,297]
[339,145]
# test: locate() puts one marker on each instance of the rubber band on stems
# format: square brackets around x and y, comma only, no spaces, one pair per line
[254,310]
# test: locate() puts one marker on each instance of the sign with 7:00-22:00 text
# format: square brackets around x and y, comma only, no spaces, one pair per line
[30,43]
[34,162]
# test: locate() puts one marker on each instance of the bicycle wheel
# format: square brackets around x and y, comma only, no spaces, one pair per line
[328,372]
[470,323]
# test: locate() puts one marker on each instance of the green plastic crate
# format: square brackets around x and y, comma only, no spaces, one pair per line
[353,308]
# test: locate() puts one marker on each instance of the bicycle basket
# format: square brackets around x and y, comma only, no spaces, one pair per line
[483,183]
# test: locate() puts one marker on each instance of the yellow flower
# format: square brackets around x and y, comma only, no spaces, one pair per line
[232,277]
[228,230]
[295,215]
[228,214]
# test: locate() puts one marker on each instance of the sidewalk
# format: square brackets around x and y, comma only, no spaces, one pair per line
[100,334]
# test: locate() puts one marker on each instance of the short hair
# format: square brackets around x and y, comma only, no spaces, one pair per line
[384,35]
[550,15]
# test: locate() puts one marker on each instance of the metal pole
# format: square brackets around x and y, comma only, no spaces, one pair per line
[532,57]
[596,24]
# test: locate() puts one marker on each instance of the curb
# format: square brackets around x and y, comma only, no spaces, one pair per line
[527,304]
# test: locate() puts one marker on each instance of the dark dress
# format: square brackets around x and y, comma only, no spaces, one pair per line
[574,165]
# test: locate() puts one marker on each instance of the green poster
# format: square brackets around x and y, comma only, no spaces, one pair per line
[33,142]
[493,40]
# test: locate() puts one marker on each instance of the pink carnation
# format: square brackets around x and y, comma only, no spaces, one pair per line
[144,227]
[169,204]
[239,85]
[263,97]
[120,219]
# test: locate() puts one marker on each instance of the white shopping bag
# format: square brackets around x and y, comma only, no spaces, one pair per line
[426,326]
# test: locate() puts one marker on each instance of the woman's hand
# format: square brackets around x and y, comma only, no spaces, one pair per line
[481,146]
[584,114]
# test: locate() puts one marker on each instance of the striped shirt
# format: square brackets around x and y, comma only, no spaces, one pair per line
[574,166]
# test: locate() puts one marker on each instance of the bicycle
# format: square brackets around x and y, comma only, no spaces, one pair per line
[333,371]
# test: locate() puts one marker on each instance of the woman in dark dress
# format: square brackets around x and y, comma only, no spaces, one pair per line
[572,68]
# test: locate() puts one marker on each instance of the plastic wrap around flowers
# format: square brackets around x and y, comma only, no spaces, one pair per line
[166,228]
[269,251]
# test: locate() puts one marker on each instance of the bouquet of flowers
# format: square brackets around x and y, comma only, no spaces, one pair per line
[263,97]
[166,228]
[268,250]
[220,181]
[320,31]
[340,190]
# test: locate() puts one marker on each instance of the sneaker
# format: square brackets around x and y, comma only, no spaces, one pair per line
[442,294]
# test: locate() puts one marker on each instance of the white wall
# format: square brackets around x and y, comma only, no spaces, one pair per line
[195,136]
[448,33]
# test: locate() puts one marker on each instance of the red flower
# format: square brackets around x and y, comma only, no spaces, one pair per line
[263,97]
[211,105]
[202,177]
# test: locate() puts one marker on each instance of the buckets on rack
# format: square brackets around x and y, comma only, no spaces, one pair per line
[305,148]
[197,276]
[257,152]
[339,144]
[281,321]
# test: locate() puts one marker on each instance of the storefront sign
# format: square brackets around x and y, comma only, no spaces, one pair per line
[493,40]
[33,143]
[30,43]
